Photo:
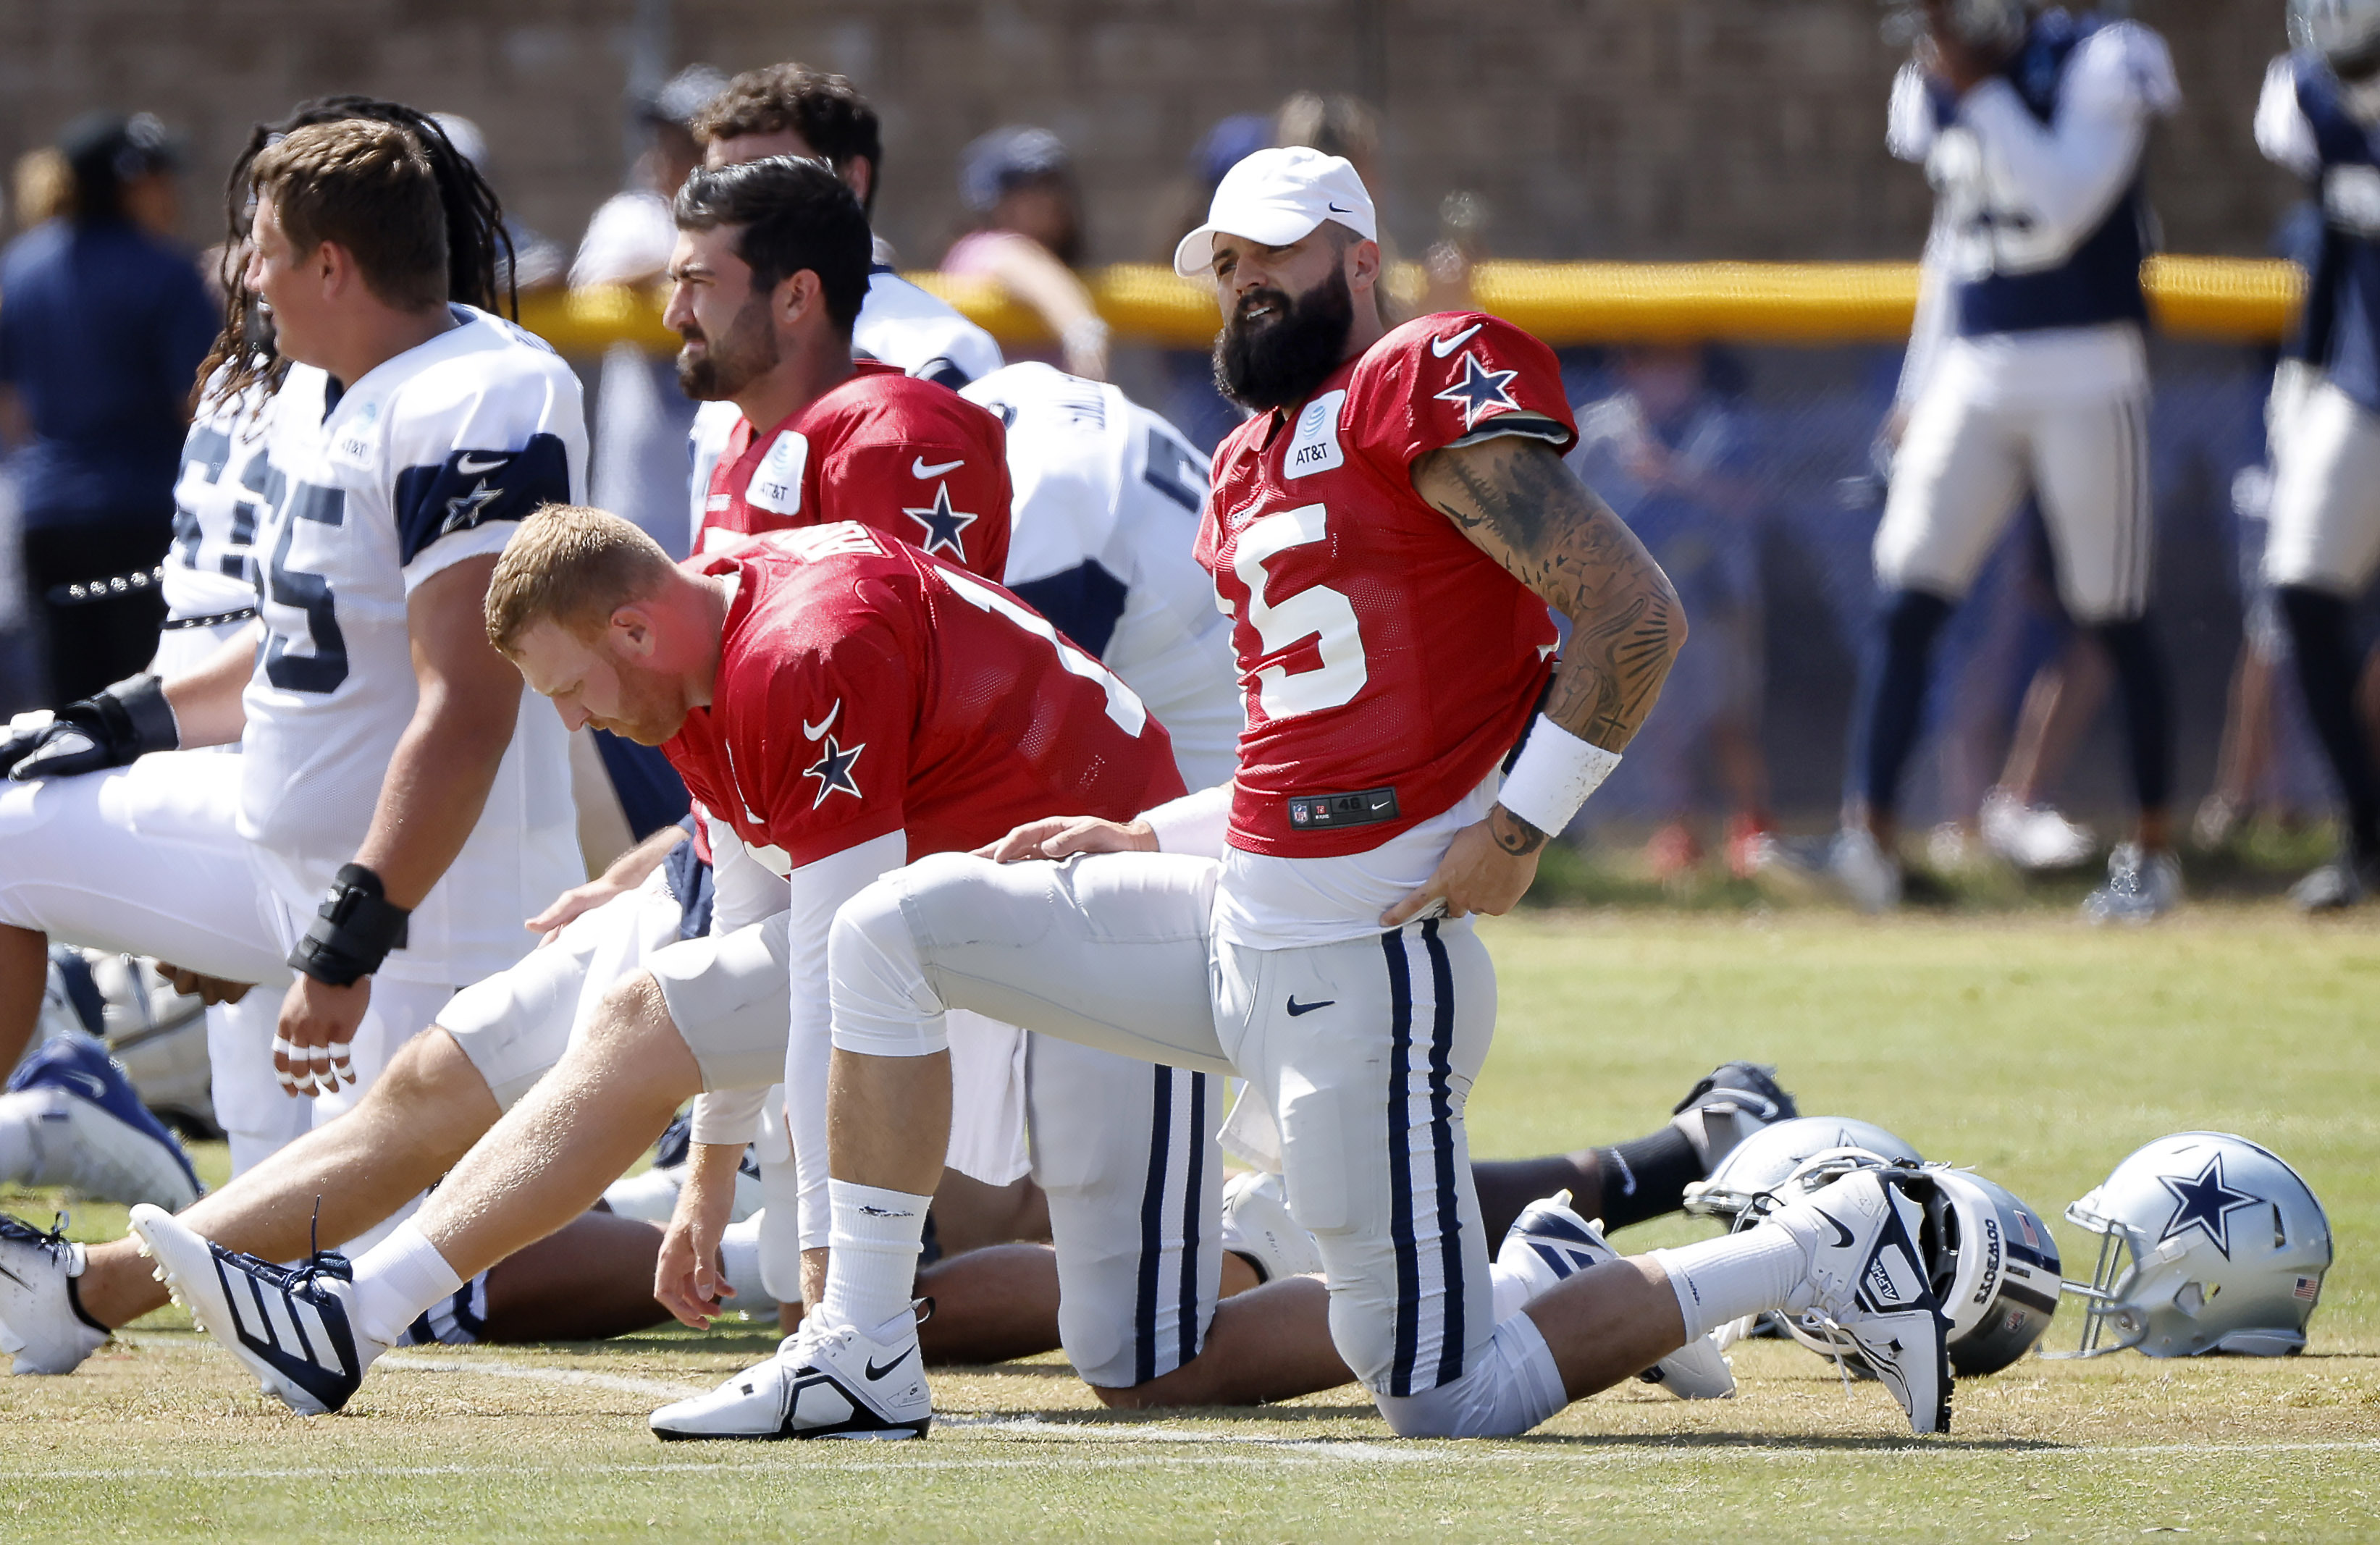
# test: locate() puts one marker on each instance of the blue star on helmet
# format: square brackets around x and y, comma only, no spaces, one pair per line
[833,769]
[2202,1202]
[942,524]
[466,510]
[1479,392]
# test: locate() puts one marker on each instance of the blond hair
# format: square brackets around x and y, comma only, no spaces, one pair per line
[573,567]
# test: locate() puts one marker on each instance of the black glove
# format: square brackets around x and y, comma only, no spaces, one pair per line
[108,729]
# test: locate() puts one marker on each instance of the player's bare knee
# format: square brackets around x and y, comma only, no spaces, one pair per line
[632,1028]
[431,1085]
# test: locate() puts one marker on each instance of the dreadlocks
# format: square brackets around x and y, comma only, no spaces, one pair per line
[479,250]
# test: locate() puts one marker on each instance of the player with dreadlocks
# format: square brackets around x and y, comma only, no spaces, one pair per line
[397,809]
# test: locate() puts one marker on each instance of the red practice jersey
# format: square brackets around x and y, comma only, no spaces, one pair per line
[904,455]
[1387,663]
[864,688]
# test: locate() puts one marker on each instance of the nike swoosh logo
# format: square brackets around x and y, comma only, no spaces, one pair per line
[919,470]
[1336,210]
[1843,1235]
[14,1278]
[1296,1008]
[1441,347]
[814,731]
[874,1373]
[469,468]
[86,1083]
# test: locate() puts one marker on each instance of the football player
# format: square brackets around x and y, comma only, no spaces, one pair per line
[382,769]
[927,707]
[2032,372]
[2320,117]
[788,110]
[1388,532]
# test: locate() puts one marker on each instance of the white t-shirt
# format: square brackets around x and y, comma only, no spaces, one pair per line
[1106,507]
[432,458]
[898,324]
[216,497]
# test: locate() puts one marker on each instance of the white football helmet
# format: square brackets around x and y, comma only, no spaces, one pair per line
[2345,32]
[1996,1269]
[2208,1242]
[1758,1165]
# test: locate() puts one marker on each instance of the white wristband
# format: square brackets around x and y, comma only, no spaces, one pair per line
[1555,774]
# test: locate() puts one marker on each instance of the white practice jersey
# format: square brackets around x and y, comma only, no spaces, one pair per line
[431,459]
[210,572]
[898,324]
[1108,497]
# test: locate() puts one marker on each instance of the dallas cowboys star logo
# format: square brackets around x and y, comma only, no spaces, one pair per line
[833,769]
[466,510]
[2204,1203]
[1479,392]
[942,524]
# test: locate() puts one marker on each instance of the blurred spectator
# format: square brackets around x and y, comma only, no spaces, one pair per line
[638,465]
[1670,454]
[42,187]
[537,260]
[1018,184]
[103,320]
[1192,401]
[1335,125]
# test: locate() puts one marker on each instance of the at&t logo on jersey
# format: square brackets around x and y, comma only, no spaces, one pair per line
[1314,446]
[776,484]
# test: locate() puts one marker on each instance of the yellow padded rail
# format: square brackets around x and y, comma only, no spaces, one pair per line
[2227,299]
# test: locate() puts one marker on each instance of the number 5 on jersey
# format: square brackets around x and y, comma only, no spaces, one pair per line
[1318,612]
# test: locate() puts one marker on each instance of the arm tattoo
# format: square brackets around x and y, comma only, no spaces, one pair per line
[1513,834]
[1521,505]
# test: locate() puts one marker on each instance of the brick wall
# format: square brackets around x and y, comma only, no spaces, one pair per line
[1646,129]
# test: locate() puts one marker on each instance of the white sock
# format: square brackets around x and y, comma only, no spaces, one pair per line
[872,1249]
[397,1280]
[1736,1274]
[739,1260]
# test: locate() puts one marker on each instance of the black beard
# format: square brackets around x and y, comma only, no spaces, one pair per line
[1281,362]
[747,352]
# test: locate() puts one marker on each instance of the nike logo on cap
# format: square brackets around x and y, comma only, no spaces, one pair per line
[1335,209]
[470,468]
[919,470]
[1441,347]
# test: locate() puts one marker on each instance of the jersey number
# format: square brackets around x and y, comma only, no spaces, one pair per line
[1123,706]
[1321,613]
[323,669]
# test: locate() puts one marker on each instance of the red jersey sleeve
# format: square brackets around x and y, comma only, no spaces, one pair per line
[942,486]
[1449,379]
[818,735]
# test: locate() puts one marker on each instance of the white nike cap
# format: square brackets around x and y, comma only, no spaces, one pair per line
[1277,197]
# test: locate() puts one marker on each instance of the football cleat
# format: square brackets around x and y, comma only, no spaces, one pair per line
[823,1382]
[1868,875]
[1869,1290]
[2032,836]
[2337,885]
[1548,1244]
[40,1327]
[1728,1104]
[2141,885]
[89,1131]
[1257,1227]
[292,1326]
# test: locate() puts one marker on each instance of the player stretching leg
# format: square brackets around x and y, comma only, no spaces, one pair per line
[375,734]
[1367,797]
[2320,117]
[2032,127]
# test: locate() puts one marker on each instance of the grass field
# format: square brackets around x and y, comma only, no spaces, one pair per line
[2036,1049]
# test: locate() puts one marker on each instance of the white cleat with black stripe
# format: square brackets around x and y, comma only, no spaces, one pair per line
[1548,1244]
[823,1382]
[1869,1289]
[294,1326]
